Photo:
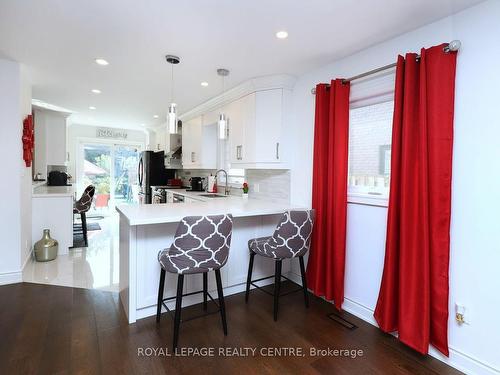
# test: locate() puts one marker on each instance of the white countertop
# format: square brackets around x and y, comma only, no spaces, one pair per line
[174,212]
[53,191]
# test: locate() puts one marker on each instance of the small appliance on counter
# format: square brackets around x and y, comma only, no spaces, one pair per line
[196,184]
[174,183]
[57,178]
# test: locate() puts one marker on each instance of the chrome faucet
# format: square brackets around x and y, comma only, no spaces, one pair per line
[226,191]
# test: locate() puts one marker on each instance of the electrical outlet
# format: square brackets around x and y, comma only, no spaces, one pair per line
[256,188]
[460,316]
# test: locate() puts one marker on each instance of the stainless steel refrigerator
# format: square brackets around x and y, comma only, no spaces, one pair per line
[152,172]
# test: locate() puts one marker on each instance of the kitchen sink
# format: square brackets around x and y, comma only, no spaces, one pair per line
[213,196]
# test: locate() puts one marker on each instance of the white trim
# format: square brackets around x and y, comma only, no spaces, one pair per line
[281,81]
[367,199]
[11,277]
[459,360]
[28,258]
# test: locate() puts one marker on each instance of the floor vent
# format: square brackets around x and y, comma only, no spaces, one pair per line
[342,321]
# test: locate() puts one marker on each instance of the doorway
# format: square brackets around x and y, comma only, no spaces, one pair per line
[112,169]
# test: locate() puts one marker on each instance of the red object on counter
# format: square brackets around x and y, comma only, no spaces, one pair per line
[28,139]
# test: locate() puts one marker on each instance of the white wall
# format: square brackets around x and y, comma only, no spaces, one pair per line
[475,228]
[15,185]
[26,175]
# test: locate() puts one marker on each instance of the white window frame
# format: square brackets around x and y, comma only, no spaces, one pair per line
[371,90]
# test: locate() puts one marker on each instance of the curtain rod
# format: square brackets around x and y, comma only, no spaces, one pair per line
[454,45]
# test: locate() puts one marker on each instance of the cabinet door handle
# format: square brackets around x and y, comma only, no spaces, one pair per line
[238,152]
[277,150]
[192,157]
[240,157]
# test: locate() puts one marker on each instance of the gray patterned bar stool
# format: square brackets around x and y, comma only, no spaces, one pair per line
[82,206]
[201,244]
[291,239]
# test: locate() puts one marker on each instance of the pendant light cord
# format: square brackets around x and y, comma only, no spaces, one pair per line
[172,87]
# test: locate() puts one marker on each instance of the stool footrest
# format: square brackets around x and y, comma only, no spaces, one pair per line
[186,295]
[252,282]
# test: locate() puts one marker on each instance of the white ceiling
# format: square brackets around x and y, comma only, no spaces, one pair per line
[59,39]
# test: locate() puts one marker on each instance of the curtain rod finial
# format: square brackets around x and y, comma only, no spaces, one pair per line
[454,45]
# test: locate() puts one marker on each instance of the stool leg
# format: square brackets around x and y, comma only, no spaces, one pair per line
[249,277]
[178,307]
[221,301]
[160,295]
[277,283]
[304,282]
[205,290]
[84,228]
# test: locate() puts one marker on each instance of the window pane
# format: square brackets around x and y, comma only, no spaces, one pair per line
[370,131]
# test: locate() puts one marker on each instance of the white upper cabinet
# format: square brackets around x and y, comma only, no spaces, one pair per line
[50,139]
[257,113]
[256,130]
[199,144]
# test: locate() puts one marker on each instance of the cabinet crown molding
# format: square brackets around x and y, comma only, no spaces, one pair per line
[280,81]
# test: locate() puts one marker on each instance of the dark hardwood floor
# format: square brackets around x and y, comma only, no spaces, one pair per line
[59,330]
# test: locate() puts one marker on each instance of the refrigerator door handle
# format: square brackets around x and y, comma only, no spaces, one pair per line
[139,171]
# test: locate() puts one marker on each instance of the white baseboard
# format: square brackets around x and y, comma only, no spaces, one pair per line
[11,277]
[459,360]
[17,276]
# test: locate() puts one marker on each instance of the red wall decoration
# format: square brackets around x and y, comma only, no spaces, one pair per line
[28,140]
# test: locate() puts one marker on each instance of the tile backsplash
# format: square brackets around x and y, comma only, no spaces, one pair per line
[273,184]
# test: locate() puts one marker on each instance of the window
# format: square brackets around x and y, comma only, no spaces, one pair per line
[370,132]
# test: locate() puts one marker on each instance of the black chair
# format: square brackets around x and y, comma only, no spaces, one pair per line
[201,244]
[82,206]
[291,239]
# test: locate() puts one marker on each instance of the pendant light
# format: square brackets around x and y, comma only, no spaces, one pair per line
[172,108]
[222,117]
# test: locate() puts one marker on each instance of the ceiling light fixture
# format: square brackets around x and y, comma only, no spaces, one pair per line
[156,116]
[282,34]
[223,130]
[100,61]
[172,108]
[96,91]
[204,84]
[92,107]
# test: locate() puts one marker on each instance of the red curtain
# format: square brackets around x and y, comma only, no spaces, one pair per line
[325,268]
[413,298]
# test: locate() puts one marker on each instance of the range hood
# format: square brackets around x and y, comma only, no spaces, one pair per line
[173,159]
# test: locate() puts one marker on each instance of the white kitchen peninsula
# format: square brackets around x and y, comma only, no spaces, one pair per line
[146,229]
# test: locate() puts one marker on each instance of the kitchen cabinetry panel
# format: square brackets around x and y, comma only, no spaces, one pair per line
[255,130]
[199,144]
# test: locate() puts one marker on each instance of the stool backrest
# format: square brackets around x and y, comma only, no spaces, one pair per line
[201,243]
[83,204]
[292,236]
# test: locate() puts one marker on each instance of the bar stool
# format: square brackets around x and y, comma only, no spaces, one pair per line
[291,239]
[201,244]
[82,206]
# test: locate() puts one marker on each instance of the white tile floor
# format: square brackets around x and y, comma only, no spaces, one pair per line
[94,267]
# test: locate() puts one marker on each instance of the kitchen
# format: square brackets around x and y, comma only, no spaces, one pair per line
[298,195]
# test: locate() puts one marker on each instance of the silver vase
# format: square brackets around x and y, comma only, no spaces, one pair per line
[46,249]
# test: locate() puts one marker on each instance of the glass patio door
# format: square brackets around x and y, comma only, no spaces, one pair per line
[125,186]
[112,169]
